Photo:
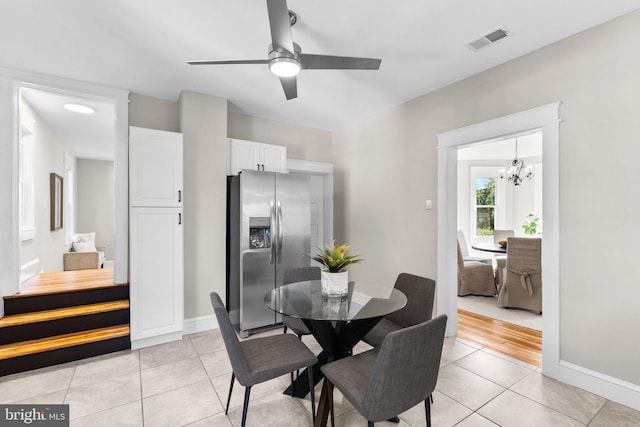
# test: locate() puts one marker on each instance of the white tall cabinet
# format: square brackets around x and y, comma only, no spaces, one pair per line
[155,236]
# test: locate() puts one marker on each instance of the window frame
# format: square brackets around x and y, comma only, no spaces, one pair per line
[499,210]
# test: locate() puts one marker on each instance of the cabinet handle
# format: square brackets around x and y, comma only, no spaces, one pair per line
[258,165]
[179,196]
[263,168]
[179,219]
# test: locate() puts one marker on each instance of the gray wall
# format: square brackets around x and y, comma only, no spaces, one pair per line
[303,143]
[203,122]
[48,155]
[381,191]
[153,113]
[94,201]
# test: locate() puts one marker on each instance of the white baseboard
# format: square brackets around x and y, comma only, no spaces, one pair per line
[611,388]
[160,339]
[199,324]
[29,269]
[189,326]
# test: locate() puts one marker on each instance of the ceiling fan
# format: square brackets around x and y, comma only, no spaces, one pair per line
[285,57]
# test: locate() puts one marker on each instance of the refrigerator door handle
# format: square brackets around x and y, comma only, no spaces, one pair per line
[272,251]
[280,234]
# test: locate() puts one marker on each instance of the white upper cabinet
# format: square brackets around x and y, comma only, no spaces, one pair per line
[256,156]
[155,169]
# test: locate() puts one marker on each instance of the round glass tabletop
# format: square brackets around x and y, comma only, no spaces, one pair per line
[304,300]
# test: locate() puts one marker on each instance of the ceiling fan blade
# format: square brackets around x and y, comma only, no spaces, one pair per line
[290,87]
[248,61]
[327,62]
[280,25]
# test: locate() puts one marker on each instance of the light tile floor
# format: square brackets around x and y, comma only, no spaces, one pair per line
[186,383]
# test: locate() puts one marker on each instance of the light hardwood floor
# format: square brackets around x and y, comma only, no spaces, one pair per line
[66,281]
[516,341]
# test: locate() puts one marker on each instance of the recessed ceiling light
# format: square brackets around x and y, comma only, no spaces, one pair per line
[79,108]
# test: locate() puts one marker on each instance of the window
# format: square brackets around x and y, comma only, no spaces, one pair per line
[485,206]
[25,185]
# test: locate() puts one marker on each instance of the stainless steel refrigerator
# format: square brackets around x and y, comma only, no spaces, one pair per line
[268,232]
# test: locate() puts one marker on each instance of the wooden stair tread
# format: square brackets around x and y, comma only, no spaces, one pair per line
[66,281]
[60,313]
[23,348]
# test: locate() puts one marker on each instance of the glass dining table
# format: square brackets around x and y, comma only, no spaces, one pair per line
[338,324]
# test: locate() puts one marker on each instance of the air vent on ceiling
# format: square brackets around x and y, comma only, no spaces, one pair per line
[487,39]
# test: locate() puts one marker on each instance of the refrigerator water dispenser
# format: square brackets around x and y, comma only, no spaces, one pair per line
[259,232]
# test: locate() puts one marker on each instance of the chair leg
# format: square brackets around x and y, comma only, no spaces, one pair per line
[285,329]
[233,377]
[333,420]
[369,423]
[247,391]
[427,409]
[313,393]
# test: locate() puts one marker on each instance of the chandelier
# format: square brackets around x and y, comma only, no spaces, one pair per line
[516,171]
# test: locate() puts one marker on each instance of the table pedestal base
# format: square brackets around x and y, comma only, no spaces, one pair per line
[337,342]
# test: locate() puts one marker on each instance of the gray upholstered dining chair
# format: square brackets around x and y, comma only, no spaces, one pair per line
[261,359]
[499,235]
[382,383]
[420,293]
[522,275]
[462,241]
[475,278]
[293,275]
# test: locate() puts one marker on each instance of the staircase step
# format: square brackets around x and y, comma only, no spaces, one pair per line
[65,281]
[27,302]
[60,313]
[24,348]
[47,323]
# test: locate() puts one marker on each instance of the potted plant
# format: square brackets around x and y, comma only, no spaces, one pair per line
[335,259]
[531,223]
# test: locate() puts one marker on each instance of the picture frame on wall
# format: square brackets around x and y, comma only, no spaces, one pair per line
[56,201]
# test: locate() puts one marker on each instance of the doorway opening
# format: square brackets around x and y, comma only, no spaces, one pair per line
[12,82]
[491,209]
[545,119]
[79,148]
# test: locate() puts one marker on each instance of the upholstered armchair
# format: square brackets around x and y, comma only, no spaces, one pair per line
[83,260]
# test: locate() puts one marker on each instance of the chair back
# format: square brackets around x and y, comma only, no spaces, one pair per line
[237,357]
[524,261]
[523,274]
[420,293]
[462,242]
[301,274]
[406,370]
[460,258]
[502,235]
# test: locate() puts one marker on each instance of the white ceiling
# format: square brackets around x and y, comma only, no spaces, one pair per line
[88,136]
[142,46]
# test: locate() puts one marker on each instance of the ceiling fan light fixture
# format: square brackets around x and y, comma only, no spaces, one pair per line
[284,67]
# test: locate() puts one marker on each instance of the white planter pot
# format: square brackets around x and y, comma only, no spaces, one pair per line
[334,285]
